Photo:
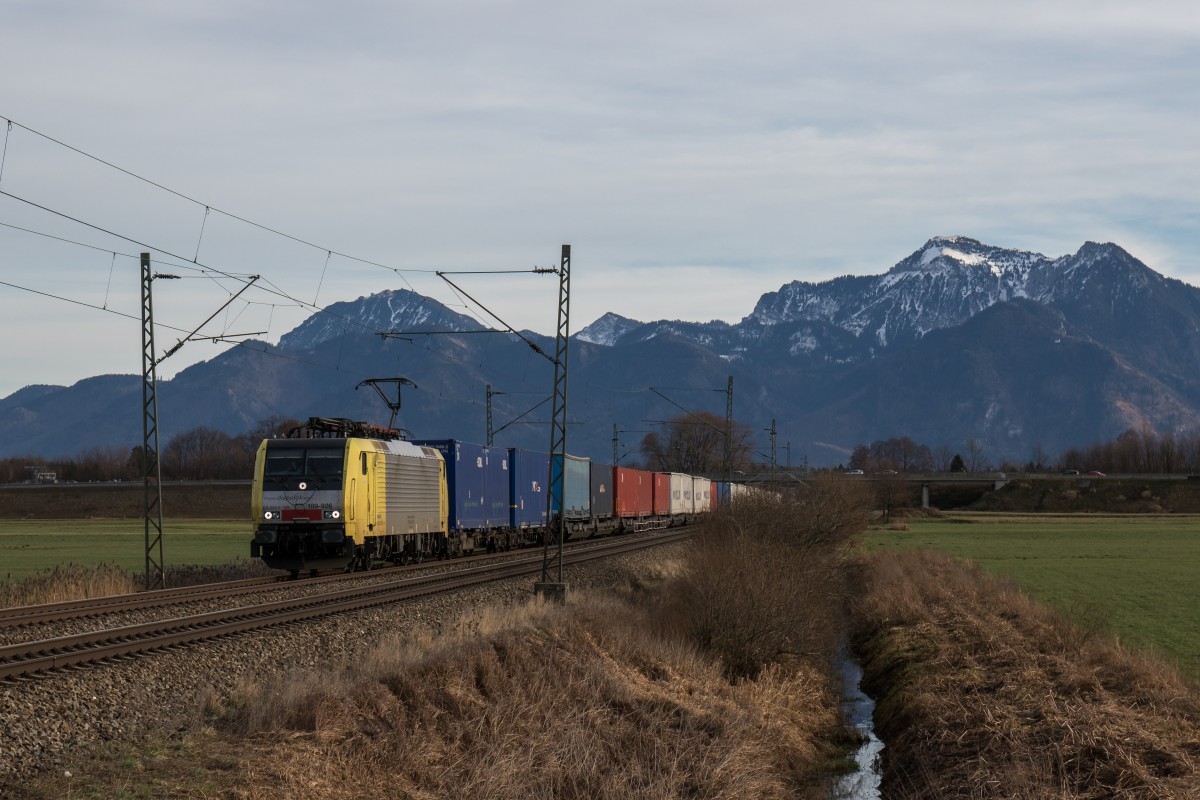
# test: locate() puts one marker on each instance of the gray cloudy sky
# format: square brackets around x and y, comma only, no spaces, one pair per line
[695,154]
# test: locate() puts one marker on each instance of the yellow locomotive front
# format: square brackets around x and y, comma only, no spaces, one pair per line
[338,494]
[299,505]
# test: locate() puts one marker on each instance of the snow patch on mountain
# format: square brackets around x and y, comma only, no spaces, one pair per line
[944,283]
[391,310]
[607,330]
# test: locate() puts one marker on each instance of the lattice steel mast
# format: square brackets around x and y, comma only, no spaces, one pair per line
[555,520]
[151,469]
[151,466]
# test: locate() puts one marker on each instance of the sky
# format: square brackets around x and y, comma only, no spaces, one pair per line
[695,155]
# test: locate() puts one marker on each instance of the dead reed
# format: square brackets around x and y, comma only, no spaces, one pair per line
[67,582]
[585,701]
[83,581]
[983,693]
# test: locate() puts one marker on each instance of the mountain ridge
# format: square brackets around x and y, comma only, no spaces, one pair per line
[957,339]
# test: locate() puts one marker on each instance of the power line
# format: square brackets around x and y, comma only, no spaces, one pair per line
[86,305]
[208,207]
[194,263]
[276,290]
[4,156]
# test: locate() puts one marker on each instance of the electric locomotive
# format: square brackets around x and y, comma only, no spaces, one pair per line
[340,494]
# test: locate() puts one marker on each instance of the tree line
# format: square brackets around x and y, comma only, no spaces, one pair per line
[692,443]
[199,454]
[1144,450]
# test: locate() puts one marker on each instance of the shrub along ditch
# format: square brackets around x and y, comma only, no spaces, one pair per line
[983,693]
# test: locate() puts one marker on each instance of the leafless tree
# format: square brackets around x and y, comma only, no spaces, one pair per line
[974,457]
[695,444]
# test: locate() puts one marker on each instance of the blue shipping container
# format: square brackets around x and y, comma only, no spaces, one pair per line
[602,490]
[528,472]
[498,487]
[577,488]
[472,481]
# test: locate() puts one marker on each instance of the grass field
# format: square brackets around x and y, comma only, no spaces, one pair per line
[31,546]
[1137,577]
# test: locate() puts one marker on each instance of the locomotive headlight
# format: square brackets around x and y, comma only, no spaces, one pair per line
[303,486]
[269,515]
[336,515]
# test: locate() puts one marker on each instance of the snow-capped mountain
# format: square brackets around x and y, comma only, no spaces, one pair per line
[607,330]
[944,283]
[959,339]
[392,310]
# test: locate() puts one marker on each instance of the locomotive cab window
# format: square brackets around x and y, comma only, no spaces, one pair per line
[287,464]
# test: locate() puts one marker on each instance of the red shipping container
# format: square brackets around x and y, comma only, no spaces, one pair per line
[662,494]
[712,506]
[633,493]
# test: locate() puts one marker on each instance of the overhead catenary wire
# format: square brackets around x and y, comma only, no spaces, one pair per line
[203,224]
[86,305]
[260,348]
[108,288]
[211,208]
[320,283]
[274,290]
[4,155]
[533,345]
[169,257]
[273,352]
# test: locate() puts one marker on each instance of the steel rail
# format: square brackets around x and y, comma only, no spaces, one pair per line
[18,616]
[34,658]
[24,616]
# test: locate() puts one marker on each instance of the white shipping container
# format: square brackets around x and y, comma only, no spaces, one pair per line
[681,494]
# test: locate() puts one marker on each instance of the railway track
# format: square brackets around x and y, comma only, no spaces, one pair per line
[30,660]
[20,616]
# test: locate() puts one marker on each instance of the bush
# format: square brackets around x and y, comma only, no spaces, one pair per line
[765,582]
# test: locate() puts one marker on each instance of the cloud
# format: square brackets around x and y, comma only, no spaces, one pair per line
[683,147]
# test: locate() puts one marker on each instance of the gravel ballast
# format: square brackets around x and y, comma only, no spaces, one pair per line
[46,720]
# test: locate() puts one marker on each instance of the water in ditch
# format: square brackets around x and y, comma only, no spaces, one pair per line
[859,711]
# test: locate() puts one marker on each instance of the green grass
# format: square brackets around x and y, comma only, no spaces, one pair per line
[1137,577]
[31,546]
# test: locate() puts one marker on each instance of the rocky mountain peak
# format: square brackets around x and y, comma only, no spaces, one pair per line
[956,253]
[390,310]
[607,330]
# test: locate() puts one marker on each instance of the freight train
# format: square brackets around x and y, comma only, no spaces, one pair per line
[340,494]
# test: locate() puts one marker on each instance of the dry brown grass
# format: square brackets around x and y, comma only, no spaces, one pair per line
[983,693]
[606,697]
[585,701]
[84,581]
[68,582]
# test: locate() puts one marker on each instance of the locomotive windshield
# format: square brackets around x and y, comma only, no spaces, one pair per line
[288,462]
